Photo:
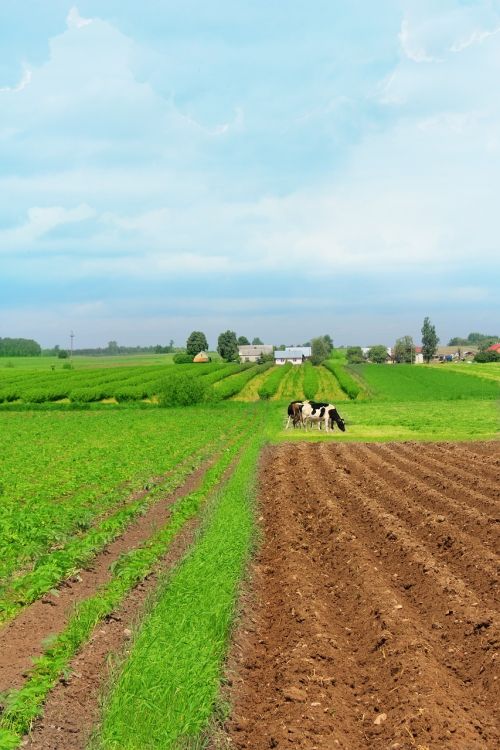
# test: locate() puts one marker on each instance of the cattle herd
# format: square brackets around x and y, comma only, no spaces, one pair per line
[308,413]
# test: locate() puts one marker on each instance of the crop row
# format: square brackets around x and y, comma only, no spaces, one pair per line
[61,474]
[233,385]
[271,384]
[311,381]
[23,705]
[345,380]
[122,384]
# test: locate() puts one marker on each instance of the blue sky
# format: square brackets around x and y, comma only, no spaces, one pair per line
[280,169]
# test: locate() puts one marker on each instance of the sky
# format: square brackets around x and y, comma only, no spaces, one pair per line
[283,170]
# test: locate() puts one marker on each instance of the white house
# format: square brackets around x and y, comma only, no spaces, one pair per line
[295,355]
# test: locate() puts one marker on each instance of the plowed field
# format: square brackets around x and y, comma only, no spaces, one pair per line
[372,620]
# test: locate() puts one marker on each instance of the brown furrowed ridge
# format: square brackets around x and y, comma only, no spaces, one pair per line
[353,640]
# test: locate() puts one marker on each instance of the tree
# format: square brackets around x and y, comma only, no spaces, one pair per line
[354,355]
[329,342]
[243,341]
[257,342]
[378,354]
[430,340]
[196,343]
[404,350]
[319,350]
[227,346]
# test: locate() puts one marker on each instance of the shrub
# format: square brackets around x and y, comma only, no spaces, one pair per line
[183,359]
[486,356]
[182,390]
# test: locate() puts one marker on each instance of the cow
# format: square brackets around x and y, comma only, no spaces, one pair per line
[321,412]
[295,414]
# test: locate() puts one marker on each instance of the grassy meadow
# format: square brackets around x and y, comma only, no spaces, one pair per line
[77,470]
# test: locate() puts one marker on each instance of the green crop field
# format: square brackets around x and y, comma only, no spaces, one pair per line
[421,383]
[77,473]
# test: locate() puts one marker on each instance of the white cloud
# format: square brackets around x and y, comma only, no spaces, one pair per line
[410,47]
[75,21]
[41,220]
[23,83]
[477,37]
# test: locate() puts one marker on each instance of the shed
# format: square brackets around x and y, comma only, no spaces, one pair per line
[201,357]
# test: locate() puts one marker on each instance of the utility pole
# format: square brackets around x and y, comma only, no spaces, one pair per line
[71,336]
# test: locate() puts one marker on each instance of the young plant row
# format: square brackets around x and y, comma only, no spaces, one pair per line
[122,384]
[271,384]
[61,472]
[311,381]
[22,706]
[233,385]
[177,656]
[345,380]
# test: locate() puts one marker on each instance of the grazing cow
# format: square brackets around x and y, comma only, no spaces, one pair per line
[295,414]
[314,411]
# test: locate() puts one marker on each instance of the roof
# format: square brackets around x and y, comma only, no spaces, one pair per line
[252,350]
[494,348]
[295,353]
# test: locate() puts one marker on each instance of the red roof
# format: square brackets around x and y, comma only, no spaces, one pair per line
[494,348]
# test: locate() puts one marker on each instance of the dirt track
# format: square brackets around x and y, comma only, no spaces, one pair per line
[373,617]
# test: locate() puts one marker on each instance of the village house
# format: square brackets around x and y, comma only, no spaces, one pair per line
[253,352]
[296,355]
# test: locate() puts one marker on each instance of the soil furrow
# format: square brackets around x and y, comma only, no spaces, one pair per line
[460,545]
[480,463]
[478,516]
[424,580]
[473,502]
[476,474]
[355,639]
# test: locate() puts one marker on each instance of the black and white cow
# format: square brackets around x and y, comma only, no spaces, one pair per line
[322,413]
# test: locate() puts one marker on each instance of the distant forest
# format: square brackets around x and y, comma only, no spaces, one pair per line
[30,348]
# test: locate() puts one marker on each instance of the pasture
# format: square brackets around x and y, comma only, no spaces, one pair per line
[127,531]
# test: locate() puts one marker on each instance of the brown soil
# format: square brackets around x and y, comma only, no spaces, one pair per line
[22,639]
[373,616]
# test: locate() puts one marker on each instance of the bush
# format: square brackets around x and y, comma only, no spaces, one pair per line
[182,390]
[354,355]
[486,356]
[183,359]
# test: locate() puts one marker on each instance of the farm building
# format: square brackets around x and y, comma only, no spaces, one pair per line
[252,352]
[296,356]
[201,357]
[494,348]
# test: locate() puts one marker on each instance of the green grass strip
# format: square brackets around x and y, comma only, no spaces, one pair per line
[168,687]
[23,706]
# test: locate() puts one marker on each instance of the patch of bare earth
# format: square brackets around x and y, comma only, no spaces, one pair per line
[372,621]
